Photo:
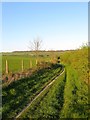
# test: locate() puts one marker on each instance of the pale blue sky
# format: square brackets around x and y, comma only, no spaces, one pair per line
[59,25]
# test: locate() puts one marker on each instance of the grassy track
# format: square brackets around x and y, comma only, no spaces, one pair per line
[40,96]
[75,97]
[66,98]
[19,93]
[49,103]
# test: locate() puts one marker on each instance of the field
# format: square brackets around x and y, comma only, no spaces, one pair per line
[67,97]
[15,62]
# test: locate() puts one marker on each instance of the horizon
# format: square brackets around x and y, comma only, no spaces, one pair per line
[61,26]
[40,50]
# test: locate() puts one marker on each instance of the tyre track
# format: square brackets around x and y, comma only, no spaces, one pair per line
[38,95]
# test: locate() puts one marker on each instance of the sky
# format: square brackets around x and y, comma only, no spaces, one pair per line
[60,25]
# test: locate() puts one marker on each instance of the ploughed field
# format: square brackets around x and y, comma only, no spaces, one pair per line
[67,97]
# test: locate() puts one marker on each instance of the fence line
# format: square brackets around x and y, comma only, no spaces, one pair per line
[22,65]
[7,68]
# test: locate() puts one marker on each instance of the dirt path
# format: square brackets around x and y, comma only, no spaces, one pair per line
[38,95]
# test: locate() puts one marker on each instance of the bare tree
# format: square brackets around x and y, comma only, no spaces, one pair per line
[36,46]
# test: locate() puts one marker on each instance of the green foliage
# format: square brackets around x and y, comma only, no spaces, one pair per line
[12,92]
[21,92]
[67,97]
[48,105]
[76,88]
[84,46]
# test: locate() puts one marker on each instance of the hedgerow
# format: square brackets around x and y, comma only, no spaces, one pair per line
[76,88]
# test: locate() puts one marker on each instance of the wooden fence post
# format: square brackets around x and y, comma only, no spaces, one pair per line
[22,66]
[30,64]
[36,62]
[6,67]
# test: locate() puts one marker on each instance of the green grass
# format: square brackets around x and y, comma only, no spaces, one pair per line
[73,90]
[21,92]
[75,97]
[73,102]
[48,105]
[76,88]
[15,62]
